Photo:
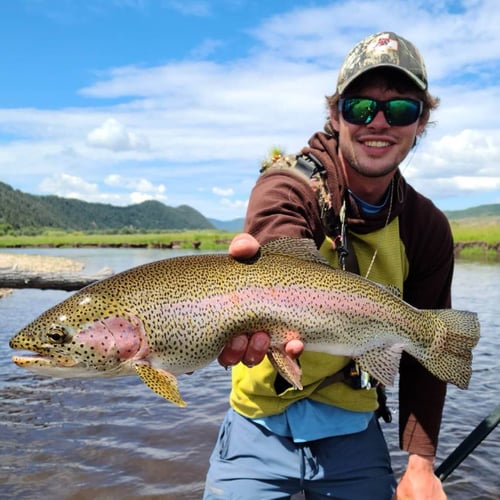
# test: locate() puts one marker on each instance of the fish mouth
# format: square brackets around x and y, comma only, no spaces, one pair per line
[44,365]
[66,367]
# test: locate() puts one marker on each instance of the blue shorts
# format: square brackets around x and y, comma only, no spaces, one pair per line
[250,462]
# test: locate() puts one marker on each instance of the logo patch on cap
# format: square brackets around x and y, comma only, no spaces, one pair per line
[382,45]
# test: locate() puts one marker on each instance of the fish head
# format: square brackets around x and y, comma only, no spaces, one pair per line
[83,336]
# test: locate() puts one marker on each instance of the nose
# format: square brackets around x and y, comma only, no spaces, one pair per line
[379,121]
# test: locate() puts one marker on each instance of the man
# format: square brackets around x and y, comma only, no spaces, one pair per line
[344,191]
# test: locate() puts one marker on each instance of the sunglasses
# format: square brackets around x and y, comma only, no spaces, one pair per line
[397,112]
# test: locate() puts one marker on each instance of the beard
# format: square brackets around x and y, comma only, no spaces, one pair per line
[365,166]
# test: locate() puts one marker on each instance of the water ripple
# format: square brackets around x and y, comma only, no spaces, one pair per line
[114,439]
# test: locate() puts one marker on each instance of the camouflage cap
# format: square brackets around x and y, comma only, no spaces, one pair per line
[384,49]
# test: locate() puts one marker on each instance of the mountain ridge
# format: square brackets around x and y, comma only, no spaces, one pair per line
[22,210]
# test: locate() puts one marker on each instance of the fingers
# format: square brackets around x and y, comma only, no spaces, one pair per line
[233,351]
[249,350]
[252,350]
[257,349]
[294,348]
[243,246]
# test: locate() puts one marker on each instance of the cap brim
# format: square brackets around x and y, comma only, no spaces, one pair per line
[419,82]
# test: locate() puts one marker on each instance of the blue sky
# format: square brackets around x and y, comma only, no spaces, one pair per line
[119,101]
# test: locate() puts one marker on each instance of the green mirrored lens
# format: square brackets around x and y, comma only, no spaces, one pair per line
[359,111]
[401,111]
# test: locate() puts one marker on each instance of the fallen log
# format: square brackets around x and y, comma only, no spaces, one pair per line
[43,280]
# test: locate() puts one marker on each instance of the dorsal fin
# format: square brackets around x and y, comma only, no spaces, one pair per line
[394,290]
[300,248]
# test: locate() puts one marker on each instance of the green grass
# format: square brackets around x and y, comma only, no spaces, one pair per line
[489,233]
[209,240]
[481,230]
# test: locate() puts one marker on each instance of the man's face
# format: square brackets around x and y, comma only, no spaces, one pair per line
[375,149]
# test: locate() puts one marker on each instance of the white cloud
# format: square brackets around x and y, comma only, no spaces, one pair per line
[476,183]
[69,186]
[238,205]
[113,135]
[138,184]
[450,38]
[131,191]
[113,180]
[139,197]
[464,187]
[223,192]
[142,189]
[467,153]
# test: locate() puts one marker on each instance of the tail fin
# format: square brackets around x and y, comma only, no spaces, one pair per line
[454,361]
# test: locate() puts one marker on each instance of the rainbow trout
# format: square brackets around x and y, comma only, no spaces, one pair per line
[174,316]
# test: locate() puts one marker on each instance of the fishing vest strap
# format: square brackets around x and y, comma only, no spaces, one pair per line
[310,167]
[352,375]
[314,170]
[334,225]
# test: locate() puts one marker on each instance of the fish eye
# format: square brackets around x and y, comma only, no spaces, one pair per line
[57,334]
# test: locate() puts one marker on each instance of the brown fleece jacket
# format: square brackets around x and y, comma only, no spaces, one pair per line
[283,204]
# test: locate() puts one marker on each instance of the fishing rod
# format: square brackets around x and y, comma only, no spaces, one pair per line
[468,445]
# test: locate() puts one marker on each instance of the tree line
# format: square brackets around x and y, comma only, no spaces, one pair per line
[22,213]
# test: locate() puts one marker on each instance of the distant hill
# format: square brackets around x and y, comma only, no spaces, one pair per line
[479,211]
[22,210]
[231,226]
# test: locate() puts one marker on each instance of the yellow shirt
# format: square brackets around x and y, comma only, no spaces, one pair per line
[380,254]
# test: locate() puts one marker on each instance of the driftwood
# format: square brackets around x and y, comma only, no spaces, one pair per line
[43,280]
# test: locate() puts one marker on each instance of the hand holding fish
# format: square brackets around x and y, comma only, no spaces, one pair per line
[251,350]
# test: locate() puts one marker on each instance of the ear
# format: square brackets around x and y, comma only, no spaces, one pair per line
[422,122]
[334,117]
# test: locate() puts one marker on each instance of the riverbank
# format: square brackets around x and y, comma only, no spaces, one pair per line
[36,263]
[205,240]
[476,238]
[481,232]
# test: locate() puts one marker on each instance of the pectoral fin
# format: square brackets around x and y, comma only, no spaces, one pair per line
[286,366]
[161,382]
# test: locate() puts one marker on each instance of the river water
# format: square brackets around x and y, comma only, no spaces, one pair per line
[115,439]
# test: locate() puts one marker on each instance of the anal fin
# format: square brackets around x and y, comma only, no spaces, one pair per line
[161,382]
[382,362]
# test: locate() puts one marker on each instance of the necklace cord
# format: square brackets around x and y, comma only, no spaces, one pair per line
[383,230]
